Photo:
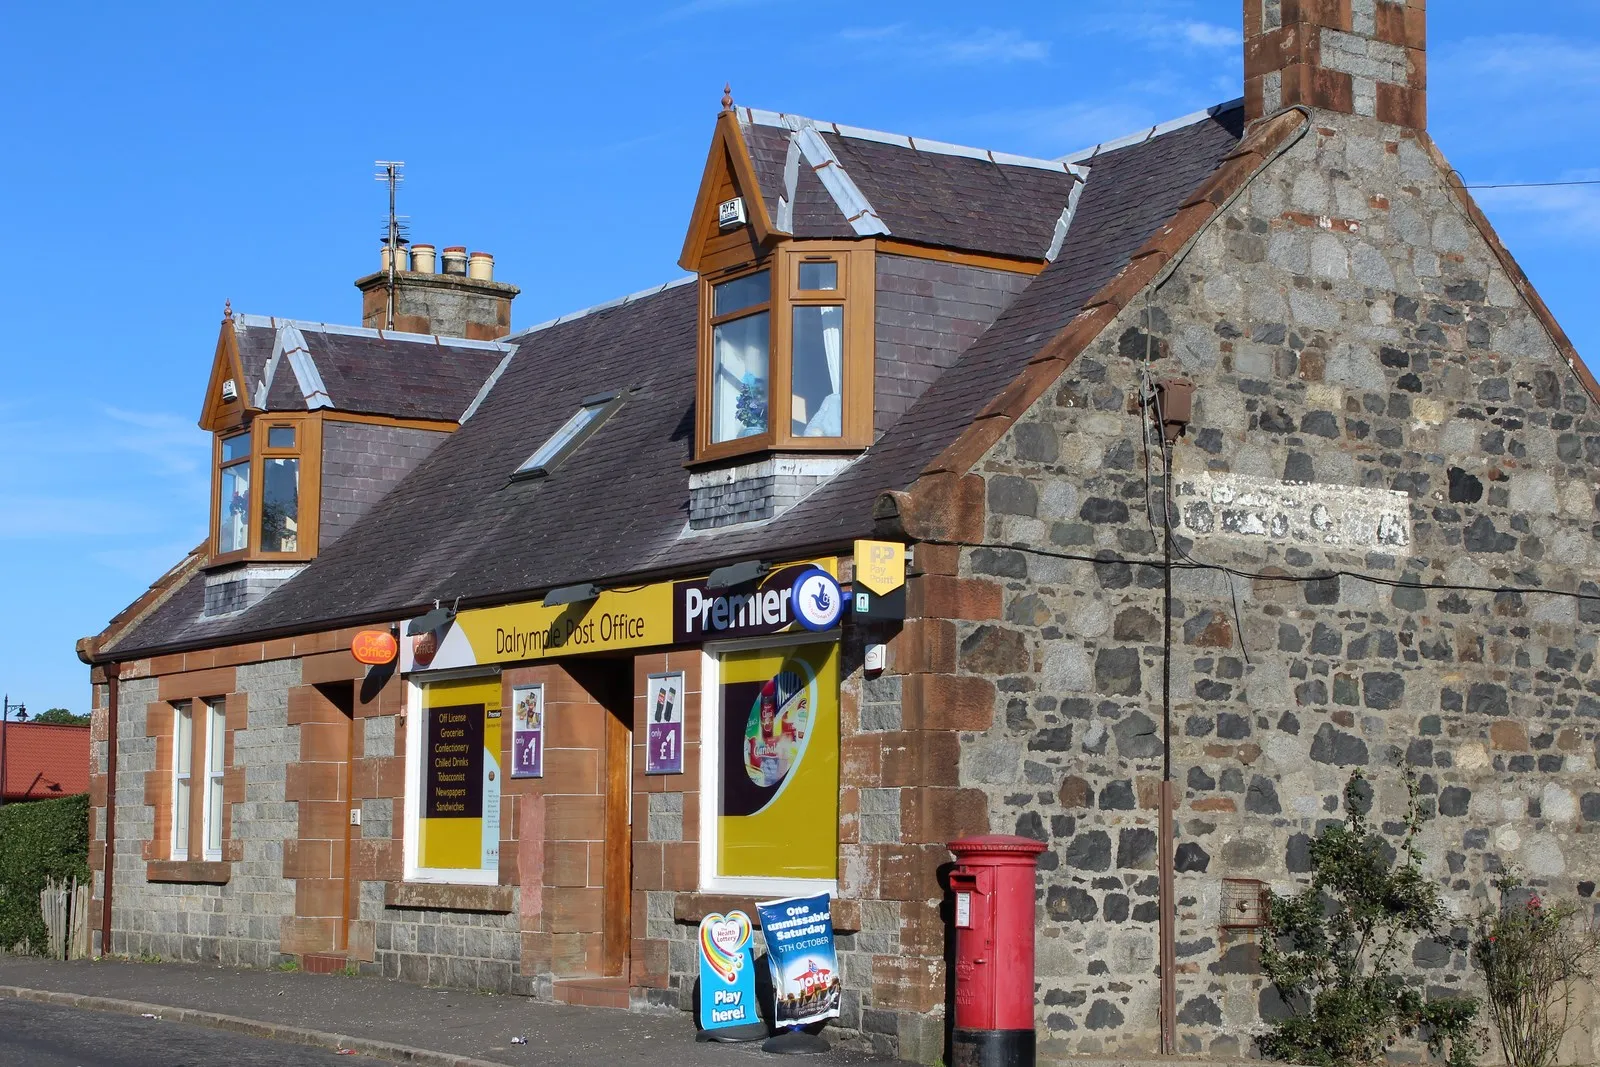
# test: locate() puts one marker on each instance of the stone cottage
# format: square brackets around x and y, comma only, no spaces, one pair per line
[1229,457]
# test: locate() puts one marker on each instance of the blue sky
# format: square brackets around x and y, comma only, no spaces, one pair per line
[160,158]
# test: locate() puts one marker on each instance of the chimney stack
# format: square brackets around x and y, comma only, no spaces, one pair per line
[1356,57]
[462,300]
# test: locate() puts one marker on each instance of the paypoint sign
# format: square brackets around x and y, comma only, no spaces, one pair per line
[665,613]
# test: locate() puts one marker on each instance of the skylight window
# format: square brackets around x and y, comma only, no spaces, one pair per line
[573,432]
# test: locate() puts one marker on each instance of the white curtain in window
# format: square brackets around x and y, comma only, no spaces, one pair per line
[827,422]
[741,355]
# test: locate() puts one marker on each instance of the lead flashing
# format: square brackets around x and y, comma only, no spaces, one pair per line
[847,195]
[269,322]
[795,123]
[1141,136]
[292,343]
[1064,223]
[618,302]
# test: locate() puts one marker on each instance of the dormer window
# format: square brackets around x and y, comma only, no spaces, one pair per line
[786,352]
[259,512]
[233,524]
[280,491]
[741,343]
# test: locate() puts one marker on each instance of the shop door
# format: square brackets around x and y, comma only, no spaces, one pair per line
[610,683]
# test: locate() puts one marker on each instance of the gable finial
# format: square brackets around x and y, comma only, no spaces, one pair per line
[227,308]
[727,96]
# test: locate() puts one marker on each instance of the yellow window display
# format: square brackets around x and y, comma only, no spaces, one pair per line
[778,814]
[458,827]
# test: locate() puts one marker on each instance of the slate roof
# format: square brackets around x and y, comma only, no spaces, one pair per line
[926,192]
[45,760]
[617,508]
[359,370]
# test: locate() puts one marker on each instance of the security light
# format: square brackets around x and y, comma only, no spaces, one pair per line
[571,594]
[737,574]
[431,621]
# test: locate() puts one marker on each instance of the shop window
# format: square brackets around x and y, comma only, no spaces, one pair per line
[589,417]
[265,492]
[770,823]
[786,353]
[454,778]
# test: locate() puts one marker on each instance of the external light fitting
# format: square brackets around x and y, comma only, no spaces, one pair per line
[434,619]
[736,574]
[571,594]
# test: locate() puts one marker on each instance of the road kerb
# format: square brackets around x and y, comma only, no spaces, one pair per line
[299,1035]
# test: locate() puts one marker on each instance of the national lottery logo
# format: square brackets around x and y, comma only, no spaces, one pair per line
[817,600]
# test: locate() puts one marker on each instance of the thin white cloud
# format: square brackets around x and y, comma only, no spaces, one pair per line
[1515,62]
[1534,95]
[1559,212]
[149,562]
[902,42]
[1192,34]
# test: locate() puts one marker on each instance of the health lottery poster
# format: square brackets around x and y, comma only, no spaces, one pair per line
[727,972]
[800,953]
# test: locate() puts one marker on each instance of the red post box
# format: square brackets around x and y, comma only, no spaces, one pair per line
[993,888]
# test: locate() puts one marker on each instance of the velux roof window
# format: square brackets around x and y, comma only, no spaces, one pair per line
[585,421]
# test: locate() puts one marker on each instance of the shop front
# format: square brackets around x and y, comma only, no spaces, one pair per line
[614,753]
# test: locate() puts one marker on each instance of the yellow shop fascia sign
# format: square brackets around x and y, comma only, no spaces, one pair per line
[660,614]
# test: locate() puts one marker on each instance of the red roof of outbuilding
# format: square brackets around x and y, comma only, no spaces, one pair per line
[43,760]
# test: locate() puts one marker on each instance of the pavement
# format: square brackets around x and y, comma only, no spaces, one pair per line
[44,1035]
[384,1020]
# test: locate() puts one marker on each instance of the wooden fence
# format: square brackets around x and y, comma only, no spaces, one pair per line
[65,907]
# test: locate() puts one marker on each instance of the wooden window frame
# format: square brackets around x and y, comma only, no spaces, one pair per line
[182,710]
[215,778]
[856,293]
[307,450]
[169,858]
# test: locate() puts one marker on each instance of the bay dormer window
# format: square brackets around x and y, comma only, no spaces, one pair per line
[786,352]
[263,508]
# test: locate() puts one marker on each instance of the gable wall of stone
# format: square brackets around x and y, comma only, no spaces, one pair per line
[1374,398]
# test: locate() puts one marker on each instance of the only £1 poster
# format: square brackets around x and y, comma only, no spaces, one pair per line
[778,811]
[527,731]
[459,824]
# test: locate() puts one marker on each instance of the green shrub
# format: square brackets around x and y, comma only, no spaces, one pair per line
[1535,953]
[39,840]
[1334,949]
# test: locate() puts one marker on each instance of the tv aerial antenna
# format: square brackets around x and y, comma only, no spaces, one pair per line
[395,230]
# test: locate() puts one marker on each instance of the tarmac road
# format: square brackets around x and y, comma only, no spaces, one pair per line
[44,1035]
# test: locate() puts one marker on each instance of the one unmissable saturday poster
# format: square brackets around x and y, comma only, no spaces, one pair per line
[459,825]
[801,955]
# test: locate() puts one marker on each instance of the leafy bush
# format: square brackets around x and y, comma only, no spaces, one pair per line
[1333,948]
[39,840]
[1533,952]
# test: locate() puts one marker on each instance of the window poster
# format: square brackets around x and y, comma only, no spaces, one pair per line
[664,724]
[778,813]
[459,823]
[527,731]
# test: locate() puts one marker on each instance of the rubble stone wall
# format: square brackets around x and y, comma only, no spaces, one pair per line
[1377,412]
